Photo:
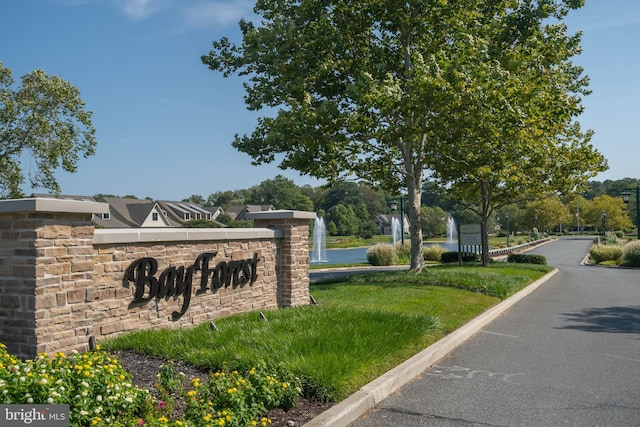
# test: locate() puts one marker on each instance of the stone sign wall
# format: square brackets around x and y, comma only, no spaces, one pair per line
[63,282]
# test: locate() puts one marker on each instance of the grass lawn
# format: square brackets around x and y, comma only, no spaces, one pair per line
[362,326]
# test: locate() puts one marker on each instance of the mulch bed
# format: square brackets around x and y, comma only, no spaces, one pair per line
[144,368]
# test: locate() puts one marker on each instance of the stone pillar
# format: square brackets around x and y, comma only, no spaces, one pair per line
[46,262]
[293,262]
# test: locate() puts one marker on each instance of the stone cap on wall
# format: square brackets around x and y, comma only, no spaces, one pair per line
[139,235]
[281,214]
[52,205]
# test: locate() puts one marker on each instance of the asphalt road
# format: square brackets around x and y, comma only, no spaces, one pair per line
[567,355]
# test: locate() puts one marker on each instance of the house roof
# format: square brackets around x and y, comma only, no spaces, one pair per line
[131,212]
[238,212]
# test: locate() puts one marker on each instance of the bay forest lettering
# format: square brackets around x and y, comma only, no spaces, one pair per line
[174,282]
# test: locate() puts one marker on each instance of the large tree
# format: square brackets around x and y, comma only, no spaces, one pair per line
[386,90]
[522,141]
[46,120]
[281,192]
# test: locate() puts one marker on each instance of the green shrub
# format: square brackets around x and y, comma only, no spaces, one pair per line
[603,253]
[382,254]
[448,257]
[611,239]
[519,241]
[631,253]
[403,253]
[527,259]
[201,223]
[433,253]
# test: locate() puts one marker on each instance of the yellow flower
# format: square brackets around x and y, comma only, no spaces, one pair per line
[191,393]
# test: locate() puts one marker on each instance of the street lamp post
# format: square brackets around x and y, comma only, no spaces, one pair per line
[625,198]
[394,205]
[506,215]
[604,224]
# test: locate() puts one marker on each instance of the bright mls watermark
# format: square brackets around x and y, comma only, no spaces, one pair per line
[34,415]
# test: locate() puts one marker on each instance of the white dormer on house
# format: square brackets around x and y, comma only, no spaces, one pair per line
[155,218]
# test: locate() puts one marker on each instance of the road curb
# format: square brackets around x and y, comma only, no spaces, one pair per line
[347,411]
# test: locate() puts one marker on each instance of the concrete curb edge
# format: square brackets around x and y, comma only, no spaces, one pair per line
[356,405]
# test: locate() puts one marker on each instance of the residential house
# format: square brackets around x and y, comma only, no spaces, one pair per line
[239,212]
[181,212]
[133,213]
[384,221]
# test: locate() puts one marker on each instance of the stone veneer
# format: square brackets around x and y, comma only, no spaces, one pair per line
[62,281]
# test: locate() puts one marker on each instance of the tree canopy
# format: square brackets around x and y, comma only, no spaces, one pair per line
[46,120]
[391,90]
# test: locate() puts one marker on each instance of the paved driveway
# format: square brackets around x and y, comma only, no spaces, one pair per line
[568,354]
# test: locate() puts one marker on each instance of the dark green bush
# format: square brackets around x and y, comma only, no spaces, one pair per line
[453,257]
[527,259]
[201,223]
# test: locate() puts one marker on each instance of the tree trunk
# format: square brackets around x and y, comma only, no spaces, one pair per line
[415,228]
[485,191]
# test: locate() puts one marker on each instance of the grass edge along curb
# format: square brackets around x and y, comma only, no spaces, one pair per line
[350,409]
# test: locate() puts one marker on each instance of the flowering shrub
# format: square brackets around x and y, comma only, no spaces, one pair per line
[94,385]
[100,392]
[231,399]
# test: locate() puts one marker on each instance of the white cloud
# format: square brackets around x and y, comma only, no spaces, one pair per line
[139,9]
[215,13]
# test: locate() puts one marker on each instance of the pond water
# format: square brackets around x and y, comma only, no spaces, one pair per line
[359,255]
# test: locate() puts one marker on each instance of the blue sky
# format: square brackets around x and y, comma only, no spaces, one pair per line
[165,122]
